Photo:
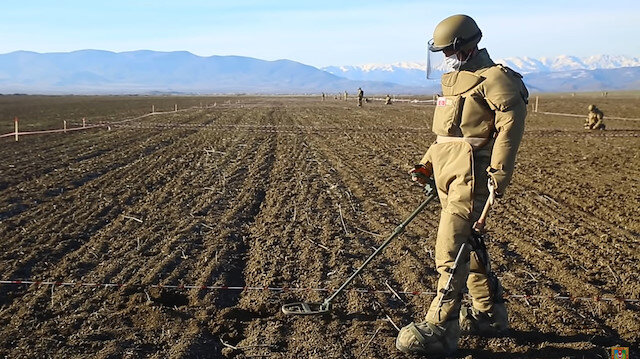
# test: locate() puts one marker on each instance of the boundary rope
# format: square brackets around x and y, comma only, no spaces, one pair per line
[584,116]
[303,289]
[267,128]
[101,124]
[304,129]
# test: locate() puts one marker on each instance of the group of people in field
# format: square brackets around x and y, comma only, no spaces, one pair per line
[360,97]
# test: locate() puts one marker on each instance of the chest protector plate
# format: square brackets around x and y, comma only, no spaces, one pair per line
[463,111]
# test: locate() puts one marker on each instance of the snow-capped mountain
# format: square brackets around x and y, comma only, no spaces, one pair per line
[413,73]
[526,65]
[406,73]
[618,79]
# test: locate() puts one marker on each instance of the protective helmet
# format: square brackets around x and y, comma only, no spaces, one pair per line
[591,107]
[458,32]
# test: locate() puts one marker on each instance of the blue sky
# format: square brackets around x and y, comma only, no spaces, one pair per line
[318,33]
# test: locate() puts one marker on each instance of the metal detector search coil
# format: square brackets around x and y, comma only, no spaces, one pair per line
[301,308]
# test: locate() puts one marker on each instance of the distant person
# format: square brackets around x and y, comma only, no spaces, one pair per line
[360,96]
[346,95]
[594,119]
[387,100]
[323,95]
[479,123]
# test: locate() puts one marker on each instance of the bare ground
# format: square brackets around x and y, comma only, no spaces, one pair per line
[255,193]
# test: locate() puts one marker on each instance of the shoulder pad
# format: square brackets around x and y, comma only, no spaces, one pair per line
[509,71]
[457,82]
[503,88]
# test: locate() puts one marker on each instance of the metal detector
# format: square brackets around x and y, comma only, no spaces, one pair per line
[302,308]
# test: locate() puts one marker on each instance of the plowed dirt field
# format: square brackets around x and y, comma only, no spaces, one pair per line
[297,193]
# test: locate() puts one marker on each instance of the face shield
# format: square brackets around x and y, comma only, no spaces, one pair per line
[436,64]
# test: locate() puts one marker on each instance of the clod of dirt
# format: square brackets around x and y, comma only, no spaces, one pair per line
[169,298]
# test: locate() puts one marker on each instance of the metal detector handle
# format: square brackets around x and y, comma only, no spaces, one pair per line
[480,223]
[431,194]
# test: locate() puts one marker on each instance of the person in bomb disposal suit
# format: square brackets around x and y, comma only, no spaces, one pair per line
[387,100]
[479,123]
[594,119]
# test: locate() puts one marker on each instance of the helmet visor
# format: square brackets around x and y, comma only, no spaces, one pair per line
[432,47]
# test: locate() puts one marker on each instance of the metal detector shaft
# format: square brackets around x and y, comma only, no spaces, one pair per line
[431,194]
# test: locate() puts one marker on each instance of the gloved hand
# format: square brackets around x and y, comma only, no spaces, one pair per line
[421,173]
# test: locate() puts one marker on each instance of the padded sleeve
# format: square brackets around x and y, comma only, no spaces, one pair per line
[507,95]
[509,128]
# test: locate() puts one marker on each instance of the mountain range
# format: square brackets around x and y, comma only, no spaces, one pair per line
[140,72]
[145,72]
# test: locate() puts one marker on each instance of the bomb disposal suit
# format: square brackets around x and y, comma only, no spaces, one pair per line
[479,123]
[594,119]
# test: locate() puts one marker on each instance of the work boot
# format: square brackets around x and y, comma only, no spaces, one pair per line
[428,338]
[492,323]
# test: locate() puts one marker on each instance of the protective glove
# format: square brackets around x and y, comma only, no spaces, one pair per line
[421,173]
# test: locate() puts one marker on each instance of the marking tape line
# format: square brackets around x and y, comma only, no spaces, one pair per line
[301,289]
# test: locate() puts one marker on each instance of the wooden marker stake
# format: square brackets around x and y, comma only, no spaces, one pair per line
[15,122]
